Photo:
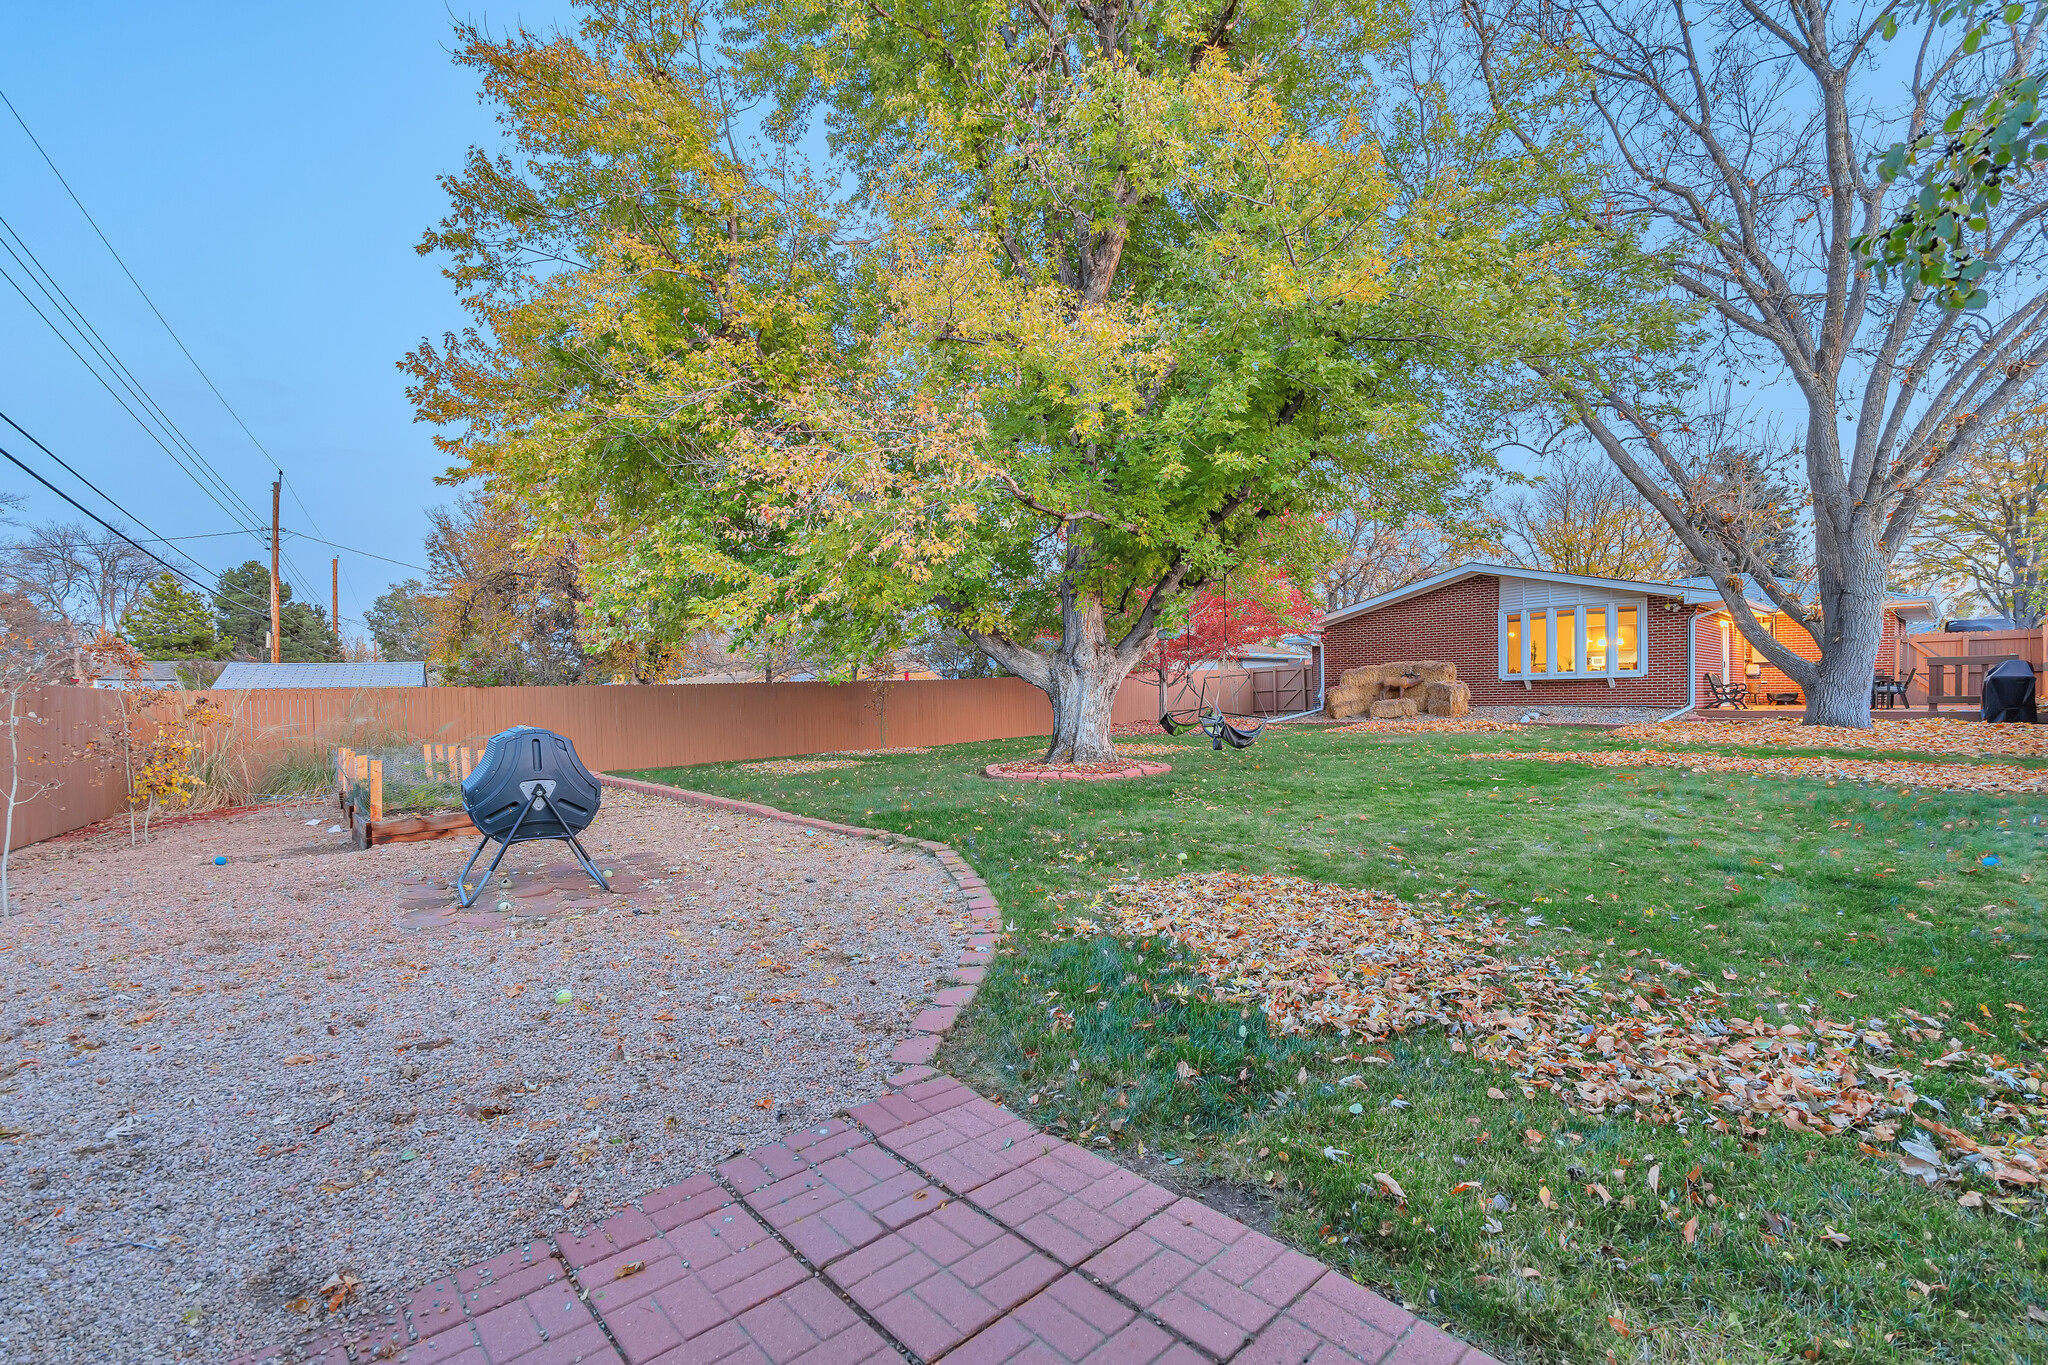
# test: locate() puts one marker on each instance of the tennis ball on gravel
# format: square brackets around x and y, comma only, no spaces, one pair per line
[564,996]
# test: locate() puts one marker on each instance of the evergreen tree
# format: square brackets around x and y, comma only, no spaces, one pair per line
[241,604]
[172,622]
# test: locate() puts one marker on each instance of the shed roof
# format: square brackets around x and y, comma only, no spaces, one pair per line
[237,676]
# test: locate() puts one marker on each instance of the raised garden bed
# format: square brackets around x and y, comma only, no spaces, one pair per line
[422,789]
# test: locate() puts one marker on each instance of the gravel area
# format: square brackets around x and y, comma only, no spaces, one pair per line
[1574,715]
[221,1087]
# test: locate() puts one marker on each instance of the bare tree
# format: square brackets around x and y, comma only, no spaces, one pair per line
[34,652]
[1382,549]
[85,576]
[1740,139]
[1986,527]
[1581,516]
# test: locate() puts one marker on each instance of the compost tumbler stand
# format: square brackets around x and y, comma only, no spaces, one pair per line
[540,797]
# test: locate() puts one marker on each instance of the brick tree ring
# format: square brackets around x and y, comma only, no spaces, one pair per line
[1031,771]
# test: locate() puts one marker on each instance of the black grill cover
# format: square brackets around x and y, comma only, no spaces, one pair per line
[503,784]
[2009,693]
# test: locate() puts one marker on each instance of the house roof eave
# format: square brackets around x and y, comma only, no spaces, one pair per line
[1483,569]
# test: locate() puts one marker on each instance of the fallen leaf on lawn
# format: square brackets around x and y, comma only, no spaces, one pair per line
[1391,1186]
[1365,965]
[1464,1185]
[1531,1136]
[1184,1071]
[1617,1324]
[1970,1199]
[1691,1230]
[1656,1170]
[2036,1313]
[1835,1239]
[1543,1197]
[1530,1272]
[1601,1190]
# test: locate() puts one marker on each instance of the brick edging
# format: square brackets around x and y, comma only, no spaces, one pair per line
[914,1054]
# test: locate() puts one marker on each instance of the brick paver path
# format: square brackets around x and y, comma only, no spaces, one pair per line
[933,1225]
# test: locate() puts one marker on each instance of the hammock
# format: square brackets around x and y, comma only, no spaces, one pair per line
[1210,722]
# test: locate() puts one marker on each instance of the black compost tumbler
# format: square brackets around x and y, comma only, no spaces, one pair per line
[529,785]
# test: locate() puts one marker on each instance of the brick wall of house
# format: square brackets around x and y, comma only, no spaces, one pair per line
[1459,623]
[1793,637]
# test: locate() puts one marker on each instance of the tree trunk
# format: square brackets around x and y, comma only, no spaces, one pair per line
[1083,694]
[1851,632]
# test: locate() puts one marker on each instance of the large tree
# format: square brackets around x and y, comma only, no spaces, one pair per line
[1740,139]
[1143,293]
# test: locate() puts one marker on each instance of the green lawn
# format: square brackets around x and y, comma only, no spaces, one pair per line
[1802,889]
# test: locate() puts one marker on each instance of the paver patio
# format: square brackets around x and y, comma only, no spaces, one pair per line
[929,1224]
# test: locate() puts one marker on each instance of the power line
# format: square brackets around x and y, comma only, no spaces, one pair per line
[41,276]
[132,280]
[66,466]
[232,513]
[169,330]
[364,553]
[212,590]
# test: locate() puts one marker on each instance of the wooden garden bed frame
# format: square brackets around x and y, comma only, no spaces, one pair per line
[368,825]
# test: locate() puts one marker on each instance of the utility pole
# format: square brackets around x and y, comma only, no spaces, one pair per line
[276,613]
[337,599]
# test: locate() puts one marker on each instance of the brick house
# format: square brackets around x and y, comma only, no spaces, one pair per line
[1530,637]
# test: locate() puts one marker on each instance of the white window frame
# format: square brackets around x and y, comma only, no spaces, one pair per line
[1576,613]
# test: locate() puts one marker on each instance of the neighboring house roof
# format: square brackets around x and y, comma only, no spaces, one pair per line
[1482,569]
[237,676]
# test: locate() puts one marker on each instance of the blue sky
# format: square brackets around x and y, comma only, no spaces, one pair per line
[264,170]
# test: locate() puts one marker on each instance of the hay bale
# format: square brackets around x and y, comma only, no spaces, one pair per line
[1393,708]
[1366,676]
[1433,672]
[1342,703]
[1447,699]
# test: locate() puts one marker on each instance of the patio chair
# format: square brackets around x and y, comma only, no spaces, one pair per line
[1890,691]
[1727,694]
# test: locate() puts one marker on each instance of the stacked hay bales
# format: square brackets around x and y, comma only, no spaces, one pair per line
[1447,699]
[1359,691]
[1356,689]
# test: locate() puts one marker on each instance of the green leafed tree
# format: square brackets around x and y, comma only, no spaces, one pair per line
[172,622]
[1141,295]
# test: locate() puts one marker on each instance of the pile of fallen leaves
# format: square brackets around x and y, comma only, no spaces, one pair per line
[1148,750]
[1933,736]
[1905,774]
[1032,768]
[1445,725]
[1366,965]
[789,767]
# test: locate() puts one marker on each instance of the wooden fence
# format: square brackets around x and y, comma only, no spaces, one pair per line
[612,727]
[67,777]
[1974,644]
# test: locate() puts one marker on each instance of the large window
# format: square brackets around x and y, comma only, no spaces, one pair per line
[1577,639]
